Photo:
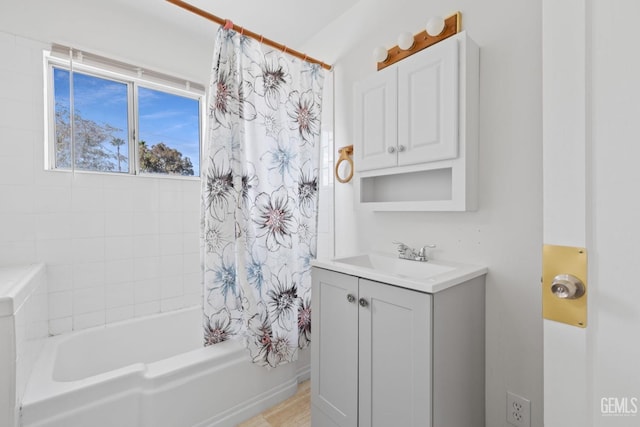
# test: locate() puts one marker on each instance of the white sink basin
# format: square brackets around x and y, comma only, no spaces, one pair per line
[429,276]
[393,265]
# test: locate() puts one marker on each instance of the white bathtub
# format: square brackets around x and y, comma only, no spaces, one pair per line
[150,372]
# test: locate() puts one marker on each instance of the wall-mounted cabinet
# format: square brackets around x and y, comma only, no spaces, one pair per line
[416,128]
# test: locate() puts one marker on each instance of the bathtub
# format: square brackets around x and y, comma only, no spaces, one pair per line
[150,372]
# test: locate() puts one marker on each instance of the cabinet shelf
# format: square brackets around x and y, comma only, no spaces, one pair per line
[416,131]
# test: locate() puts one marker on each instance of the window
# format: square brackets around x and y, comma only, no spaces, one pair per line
[107,116]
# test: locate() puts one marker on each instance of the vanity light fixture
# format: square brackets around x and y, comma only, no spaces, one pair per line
[436,29]
[406,41]
[380,54]
[435,26]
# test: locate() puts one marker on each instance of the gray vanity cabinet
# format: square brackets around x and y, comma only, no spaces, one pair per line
[374,356]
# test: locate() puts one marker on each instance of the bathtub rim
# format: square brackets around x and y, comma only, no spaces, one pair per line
[42,386]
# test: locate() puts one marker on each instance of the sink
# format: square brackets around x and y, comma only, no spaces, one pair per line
[429,276]
[393,265]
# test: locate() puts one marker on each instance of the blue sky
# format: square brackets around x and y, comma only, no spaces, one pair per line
[163,117]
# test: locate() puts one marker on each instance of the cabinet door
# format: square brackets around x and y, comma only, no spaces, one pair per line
[334,349]
[428,105]
[376,120]
[394,357]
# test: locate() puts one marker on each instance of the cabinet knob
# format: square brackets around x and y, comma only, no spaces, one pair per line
[363,302]
[351,298]
[401,148]
[391,150]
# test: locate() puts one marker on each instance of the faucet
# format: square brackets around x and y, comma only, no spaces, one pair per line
[405,252]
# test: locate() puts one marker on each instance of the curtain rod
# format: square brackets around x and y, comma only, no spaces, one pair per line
[228,24]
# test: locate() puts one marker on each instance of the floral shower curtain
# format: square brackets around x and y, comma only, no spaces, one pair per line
[259,198]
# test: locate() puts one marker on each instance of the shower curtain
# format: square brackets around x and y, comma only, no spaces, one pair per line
[259,198]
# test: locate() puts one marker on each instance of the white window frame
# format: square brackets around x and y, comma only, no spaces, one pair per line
[132,76]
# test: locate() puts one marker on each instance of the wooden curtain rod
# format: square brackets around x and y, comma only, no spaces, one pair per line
[244,31]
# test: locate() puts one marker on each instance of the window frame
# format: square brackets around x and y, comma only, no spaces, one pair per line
[133,84]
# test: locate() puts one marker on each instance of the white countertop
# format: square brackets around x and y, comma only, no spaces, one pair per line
[429,277]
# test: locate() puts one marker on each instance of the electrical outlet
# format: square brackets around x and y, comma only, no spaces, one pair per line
[518,410]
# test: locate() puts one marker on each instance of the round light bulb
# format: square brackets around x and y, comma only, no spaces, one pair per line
[435,26]
[380,54]
[405,41]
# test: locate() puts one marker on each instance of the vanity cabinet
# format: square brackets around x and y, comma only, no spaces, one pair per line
[387,356]
[416,130]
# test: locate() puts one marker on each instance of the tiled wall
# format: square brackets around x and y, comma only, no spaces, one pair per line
[22,332]
[115,246]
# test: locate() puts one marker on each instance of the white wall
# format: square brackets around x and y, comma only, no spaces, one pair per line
[505,233]
[115,246]
[614,310]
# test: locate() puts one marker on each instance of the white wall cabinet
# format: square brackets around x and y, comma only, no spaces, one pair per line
[387,356]
[419,117]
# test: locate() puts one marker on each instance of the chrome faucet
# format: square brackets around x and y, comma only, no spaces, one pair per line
[405,252]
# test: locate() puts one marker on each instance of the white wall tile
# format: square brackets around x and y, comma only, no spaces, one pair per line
[171,287]
[88,249]
[192,283]
[146,268]
[119,295]
[60,304]
[191,262]
[59,277]
[53,225]
[170,222]
[88,300]
[16,199]
[146,223]
[146,309]
[171,265]
[146,245]
[88,320]
[118,199]
[191,243]
[54,251]
[171,244]
[195,299]
[118,247]
[46,179]
[118,271]
[87,224]
[170,201]
[88,275]
[170,304]
[60,326]
[119,314]
[23,252]
[146,291]
[17,227]
[119,224]
[87,199]
[191,222]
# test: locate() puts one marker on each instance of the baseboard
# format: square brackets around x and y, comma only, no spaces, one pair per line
[303,373]
[252,407]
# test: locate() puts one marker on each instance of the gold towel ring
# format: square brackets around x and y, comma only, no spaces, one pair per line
[345,154]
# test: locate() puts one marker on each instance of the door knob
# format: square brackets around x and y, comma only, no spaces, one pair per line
[567,286]
[351,298]
[363,302]
[391,150]
[401,148]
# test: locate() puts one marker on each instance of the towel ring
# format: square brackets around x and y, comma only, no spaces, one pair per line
[345,154]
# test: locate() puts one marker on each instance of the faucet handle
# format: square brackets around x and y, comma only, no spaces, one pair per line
[423,249]
[401,246]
